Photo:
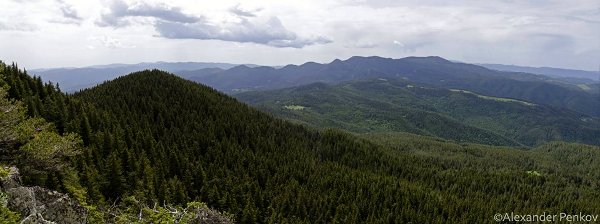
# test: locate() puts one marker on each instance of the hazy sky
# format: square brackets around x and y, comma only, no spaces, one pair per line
[56,33]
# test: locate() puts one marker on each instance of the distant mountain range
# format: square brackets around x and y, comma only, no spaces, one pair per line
[73,79]
[434,71]
[575,95]
[553,72]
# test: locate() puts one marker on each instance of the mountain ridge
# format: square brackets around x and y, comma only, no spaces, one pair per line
[551,71]
[427,70]
[72,79]
[432,70]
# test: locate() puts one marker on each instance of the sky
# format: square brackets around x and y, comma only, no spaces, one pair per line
[75,33]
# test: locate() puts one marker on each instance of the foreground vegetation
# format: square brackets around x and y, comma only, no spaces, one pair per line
[152,138]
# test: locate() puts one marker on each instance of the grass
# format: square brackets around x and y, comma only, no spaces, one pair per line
[294,107]
[584,87]
[493,98]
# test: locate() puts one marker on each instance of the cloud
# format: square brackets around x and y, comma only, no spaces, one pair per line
[539,33]
[237,10]
[365,45]
[18,26]
[552,42]
[119,13]
[411,45]
[300,42]
[172,23]
[108,42]
[270,32]
[69,14]
[245,31]
[398,43]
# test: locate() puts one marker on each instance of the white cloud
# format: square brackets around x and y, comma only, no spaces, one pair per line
[108,42]
[398,43]
[269,32]
[172,23]
[17,26]
[238,10]
[119,12]
[70,14]
[362,44]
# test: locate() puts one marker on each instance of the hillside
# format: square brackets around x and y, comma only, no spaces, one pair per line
[380,105]
[151,137]
[321,105]
[433,71]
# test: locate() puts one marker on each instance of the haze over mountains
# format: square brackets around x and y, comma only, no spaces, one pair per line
[73,79]
[554,72]
[435,71]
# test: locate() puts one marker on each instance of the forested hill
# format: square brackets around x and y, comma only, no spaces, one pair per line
[153,138]
[380,105]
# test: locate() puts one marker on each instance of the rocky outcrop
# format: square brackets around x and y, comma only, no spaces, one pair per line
[40,205]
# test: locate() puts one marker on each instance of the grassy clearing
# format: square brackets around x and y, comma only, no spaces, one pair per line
[584,87]
[294,107]
[500,99]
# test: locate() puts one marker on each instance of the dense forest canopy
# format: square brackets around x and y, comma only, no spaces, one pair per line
[391,104]
[152,137]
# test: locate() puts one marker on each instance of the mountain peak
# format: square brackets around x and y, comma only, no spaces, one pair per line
[435,59]
[240,67]
[336,61]
[353,58]
[310,63]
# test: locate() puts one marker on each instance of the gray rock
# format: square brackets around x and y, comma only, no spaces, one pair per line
[12,180]
[40,205]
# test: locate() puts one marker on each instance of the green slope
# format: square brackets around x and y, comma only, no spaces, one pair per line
[380,105]
[161,139]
